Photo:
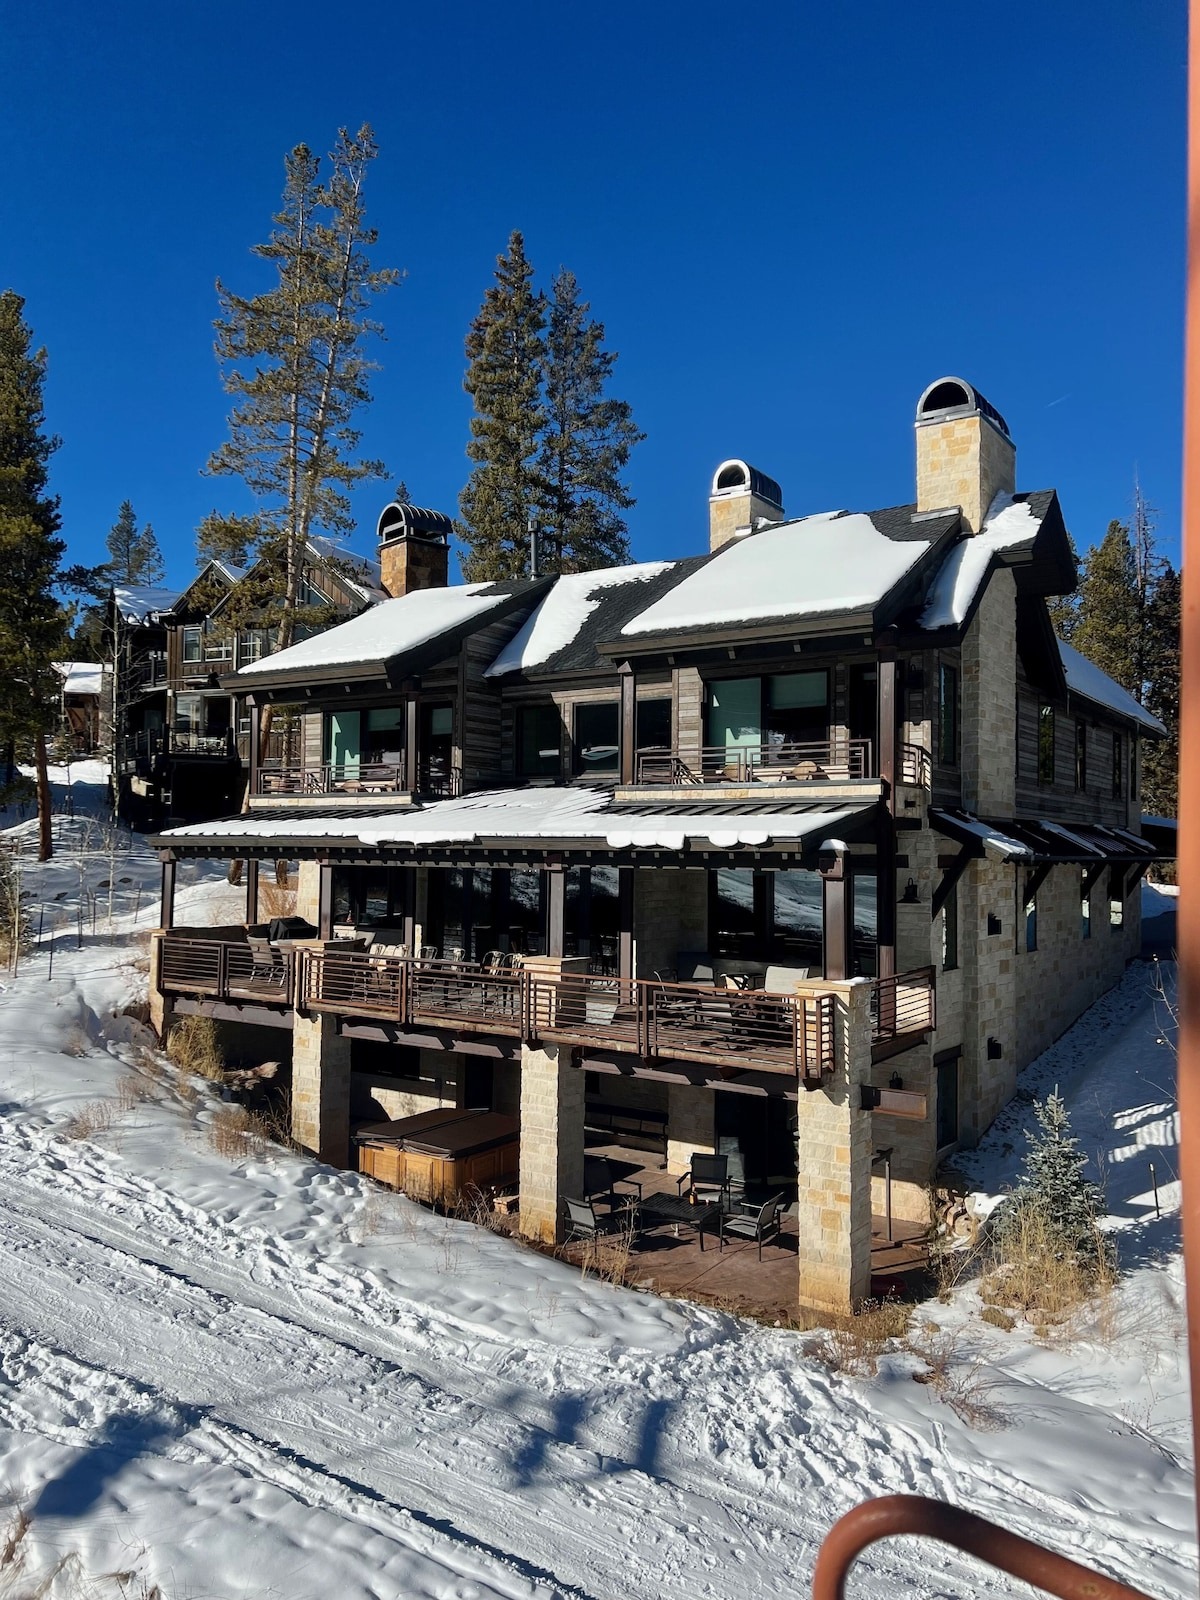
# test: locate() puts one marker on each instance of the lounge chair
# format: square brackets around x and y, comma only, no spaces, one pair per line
[584,1222]
[706,1179]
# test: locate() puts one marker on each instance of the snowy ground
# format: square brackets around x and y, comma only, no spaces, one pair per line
[268,1378]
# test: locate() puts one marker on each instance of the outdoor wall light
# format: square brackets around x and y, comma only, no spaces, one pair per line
[993,923]
[911,893]
[994,1050]
[895,1081]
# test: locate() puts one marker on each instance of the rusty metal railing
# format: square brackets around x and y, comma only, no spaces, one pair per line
[813,761]
[906,1002]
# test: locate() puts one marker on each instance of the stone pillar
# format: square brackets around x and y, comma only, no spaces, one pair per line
[551,1139]
[834,1157]
[308,892]
[321,1088]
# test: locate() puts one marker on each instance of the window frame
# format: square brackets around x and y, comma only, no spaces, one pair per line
[1047,740]
[189,637]
[949,730]
[523,715]
[1081,743]
[581,768]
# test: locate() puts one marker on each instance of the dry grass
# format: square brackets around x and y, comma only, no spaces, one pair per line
[94,1118]
[236,1133]
[854,1344]
[275,900]
[132,1091]
[1033,1273]
[192,1047]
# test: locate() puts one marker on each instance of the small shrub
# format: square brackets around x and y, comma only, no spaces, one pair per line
[192,1047]
[855,1344]
[131,1092]
[997,1318]
[94,1118]
[275,900]
[235,1133]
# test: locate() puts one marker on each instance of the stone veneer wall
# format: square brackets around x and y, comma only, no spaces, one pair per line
[321,1088]
[552,1096]
[834,1183]
[691,1125]
[670,914]
[964,462]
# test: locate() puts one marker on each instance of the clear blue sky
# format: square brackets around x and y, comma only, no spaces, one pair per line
[791,217]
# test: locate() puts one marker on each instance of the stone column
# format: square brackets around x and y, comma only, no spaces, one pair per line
[691,1124]
[551,1139]
[321,1088]
[834,1158]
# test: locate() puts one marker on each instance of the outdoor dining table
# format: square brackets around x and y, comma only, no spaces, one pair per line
[662,1208]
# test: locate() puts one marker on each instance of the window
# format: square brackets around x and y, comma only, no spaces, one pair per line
[1031,923]
[797,919]
[343,740]
[597,738]
[1081,755]
[1085,906]
[735,719]
[592,919]
[762,917]
[539,731]
[947,726]
[864,954]
[187,713]
[797,709]
[652,725]
[733,925]
[1116,902]
[217,647]
[191,644]
[748,718]
[947,1101]
[1116,766]
[383,735]
[1133,767]
[950,932]
[1045,743]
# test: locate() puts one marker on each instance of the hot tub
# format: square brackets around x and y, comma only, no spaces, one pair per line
[435,1155]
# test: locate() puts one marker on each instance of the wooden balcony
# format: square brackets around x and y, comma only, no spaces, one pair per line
[278,779]
[833,760]
[211,966]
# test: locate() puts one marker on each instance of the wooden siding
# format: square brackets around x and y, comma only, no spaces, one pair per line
[1060,801]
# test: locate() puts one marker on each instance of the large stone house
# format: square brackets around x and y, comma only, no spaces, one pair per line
[797,850]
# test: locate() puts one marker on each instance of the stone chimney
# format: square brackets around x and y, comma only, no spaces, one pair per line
[965,454]
[741,498]
[414,549]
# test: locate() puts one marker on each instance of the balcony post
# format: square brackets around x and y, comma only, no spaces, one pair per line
[556,909]
[254,754]
[625,889]
[325,901]
[887,717]
[167,919]
[836,884]
[628,728]
[252,868]
[412,718]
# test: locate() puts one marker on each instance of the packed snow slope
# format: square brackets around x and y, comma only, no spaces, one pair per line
[266,1377]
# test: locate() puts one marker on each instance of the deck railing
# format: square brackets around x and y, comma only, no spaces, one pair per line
[345,777]
[224,969]
[814,761]
[915,765]
[686,1022]
[906,1002]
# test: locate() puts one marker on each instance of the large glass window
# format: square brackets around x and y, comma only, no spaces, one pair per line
[1081,755]
[383,734]
[865,948]
[343,740]
[733,926]
[1031,923]
[797,919]
[592,919]
[539,732]
[187,713]
[735,718]
[1045,770]
[947,726]
[368,897]
[864,709]
[597,737]
[797,709]
[653,724]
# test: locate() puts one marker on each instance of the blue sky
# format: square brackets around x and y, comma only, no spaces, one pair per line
[790,216]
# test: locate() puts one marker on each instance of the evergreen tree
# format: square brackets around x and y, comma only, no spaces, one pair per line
[1052,1184]
[1064,608]
[586,442]
[507,489]
[1160,777]
[32,622]
[293,358]
[1108,626]
[133,557]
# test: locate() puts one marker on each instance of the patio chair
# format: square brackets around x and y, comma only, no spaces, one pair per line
[600,1182]
[751,1221]
[266,963]
[454,953]
[583,1221]
[706,1179]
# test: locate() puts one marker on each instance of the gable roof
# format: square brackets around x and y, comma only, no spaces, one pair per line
[581,609]
[411,630]
[1085,678]
[1024,531]
[835,567]
[142,603]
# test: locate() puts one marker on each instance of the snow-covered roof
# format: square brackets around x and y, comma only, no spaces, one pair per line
[1084,677]
[1000,844]
[138,603]
[1009,525]
[549,814]
[359,573]
[80,677]
[386,630]
[833,562]
[559,618]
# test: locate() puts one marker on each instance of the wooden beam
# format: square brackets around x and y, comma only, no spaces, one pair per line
[953,872]
[556,908]
[412,718]
[835,918]
[628,724]
[325,901]
[625,887]
[168,892]
[252,870]
[887,721]
[255,740]
[1035,879]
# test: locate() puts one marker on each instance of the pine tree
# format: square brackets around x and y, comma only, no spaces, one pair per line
[133,557]
[587,440]
[32,622]
[293,358]
[1052,1184]
[1160,779]
[1064,608]
[507,489]
[1108,628]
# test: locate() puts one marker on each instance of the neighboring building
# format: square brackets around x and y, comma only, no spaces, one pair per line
[83,705]
[840,758]
[181,741]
